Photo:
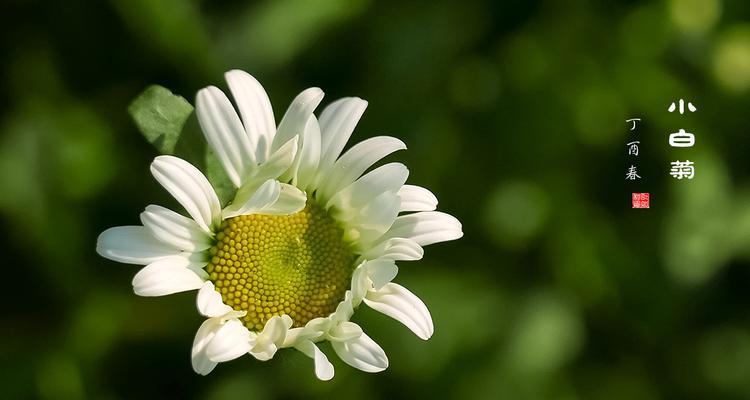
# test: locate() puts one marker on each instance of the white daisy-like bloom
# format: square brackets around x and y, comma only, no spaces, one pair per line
[309,236]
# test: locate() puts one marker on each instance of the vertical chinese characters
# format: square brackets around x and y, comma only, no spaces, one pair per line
[639,200]
[682,139]
[632,173]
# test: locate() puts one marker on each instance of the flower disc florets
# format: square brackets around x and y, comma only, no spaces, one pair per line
[272,265]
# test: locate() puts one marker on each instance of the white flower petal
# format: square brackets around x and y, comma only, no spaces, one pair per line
[323,367]
[166,276]
[271,338]
[276,329]
[361,284]
[231,340]
[271,198]
[265,352]
[345,331]
[291,200]
[190,188]
[381,272]
[387,178]
[295,336]
[279,161]
[275,166]
[224,133]
[265,195]
[255,109]
[397,249]
[372,220]
[132,245]
[295,119]
[209,301]
[426,228]
[379,214]
[337,122]
[416,198]
[362,353]
[201,364]
[356,161]
[306,164]
[402,305]
[313,330]
[344,310]
[199,359]
[175,229]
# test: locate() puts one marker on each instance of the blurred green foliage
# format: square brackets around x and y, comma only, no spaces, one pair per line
[514,114]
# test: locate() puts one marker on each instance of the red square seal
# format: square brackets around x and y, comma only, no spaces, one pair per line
[641,200]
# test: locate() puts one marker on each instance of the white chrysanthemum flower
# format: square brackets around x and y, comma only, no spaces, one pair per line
[306,239]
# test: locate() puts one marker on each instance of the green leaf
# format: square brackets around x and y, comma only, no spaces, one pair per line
[160,116]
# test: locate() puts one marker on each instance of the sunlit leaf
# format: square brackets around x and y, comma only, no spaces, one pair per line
[160,116]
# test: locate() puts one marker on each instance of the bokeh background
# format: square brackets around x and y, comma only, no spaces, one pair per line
[514,114]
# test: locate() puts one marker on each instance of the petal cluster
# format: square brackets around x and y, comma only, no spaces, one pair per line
[276,171]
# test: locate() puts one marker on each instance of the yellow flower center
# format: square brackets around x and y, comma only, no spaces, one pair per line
[270,265]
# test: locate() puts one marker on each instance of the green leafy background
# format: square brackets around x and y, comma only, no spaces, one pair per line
[514,115]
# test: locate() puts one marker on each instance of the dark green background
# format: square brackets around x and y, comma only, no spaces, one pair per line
[513,113]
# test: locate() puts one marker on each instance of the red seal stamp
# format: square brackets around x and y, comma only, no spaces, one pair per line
[641,200]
